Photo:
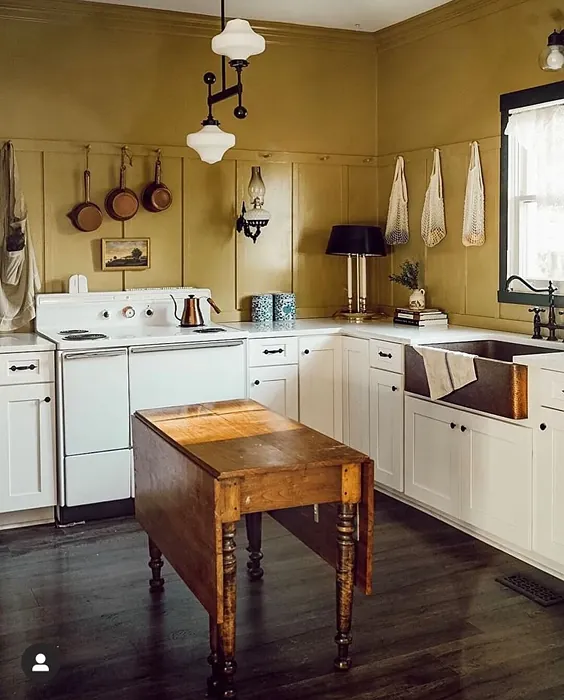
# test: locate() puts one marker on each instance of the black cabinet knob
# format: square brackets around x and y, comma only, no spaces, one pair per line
[256,382]
[47,399]
[543,426]
[463,428]
[306,352]
[452,426]
[394,388]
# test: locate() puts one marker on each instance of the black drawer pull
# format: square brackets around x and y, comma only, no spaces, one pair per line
[394,388]
[463,428]
[14,368]
[543,426]
[256,382]
[306,352]
[274,352]
[47,399]
[452,426]
[385,354]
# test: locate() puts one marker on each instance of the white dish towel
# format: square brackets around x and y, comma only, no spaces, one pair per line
[446,370]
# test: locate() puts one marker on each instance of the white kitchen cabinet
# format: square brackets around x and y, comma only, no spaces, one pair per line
[386,427]
[548,469]
[356,399]
[432,455]
[321,388]
[276,388]
[27,446]
[496,461]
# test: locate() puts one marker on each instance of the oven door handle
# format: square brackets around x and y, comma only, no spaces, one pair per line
[197,345]
[88,354]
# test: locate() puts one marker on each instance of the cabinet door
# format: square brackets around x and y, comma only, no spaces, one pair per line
[321,390]
[276,388]
[496,477]
[548,513]
[386,427]
[27,447]
[356,390]
[432,455]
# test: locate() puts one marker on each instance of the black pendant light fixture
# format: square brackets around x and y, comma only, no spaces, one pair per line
[236,42]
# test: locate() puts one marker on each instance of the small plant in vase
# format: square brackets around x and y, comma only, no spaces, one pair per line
[409,277]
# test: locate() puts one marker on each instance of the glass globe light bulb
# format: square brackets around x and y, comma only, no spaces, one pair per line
[552,57]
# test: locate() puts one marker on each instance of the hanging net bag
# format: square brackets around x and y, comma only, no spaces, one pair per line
[474,226]
[397,223]
[433,227]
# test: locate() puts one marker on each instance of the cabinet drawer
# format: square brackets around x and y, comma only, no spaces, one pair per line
[273,351]
[27,368]
[384,355]
[551,391]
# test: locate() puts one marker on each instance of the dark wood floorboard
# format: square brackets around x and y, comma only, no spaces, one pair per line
[438,626]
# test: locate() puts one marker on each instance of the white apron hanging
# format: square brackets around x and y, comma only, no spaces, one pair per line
[433,226]
[19,277]
[397,223]
[474,225]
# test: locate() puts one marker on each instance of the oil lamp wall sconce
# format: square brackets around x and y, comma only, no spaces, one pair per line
[253,220]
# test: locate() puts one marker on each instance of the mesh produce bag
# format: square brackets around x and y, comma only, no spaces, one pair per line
[474,226]
[433,226]
[397,223]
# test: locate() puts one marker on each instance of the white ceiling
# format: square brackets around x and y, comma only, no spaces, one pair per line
[363,15]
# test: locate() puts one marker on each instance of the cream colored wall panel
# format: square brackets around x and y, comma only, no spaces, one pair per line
[482,262]
[266,266]
[31,177]
[209,236]
[67,250]
[163,228]
[321,202]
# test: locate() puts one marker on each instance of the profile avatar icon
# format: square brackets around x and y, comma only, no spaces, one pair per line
[40,666]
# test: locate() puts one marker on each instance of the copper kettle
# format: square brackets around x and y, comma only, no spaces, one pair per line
[192,314]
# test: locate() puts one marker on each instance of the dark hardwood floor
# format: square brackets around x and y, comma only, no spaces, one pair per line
[438,625]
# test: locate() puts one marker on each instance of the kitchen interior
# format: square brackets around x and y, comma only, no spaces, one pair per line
[342,220]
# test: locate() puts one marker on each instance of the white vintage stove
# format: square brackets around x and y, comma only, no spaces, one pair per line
[118,352]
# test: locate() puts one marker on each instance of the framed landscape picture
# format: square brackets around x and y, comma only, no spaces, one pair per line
[126,253]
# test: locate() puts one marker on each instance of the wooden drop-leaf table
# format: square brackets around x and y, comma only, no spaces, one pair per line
[200,468]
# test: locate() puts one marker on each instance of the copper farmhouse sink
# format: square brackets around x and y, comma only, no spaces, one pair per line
[501,388]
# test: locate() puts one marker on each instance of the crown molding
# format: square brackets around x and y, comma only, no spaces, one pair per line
[440,19]
[70,13]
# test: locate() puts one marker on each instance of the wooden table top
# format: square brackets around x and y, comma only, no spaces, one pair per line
[240,438]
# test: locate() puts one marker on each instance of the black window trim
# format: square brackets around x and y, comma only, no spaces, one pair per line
[507,102]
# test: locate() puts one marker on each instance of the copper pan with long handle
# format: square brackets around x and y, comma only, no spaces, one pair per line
[122,203]
[86,216]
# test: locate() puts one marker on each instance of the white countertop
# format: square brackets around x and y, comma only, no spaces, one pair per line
[24,342]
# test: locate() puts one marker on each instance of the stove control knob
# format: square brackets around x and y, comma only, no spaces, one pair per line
[106,314]
[129,312]
[149,312]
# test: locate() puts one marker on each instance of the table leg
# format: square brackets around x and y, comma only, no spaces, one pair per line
[253,522]
[213,660]
[156,582]
[227,662]
[345,583]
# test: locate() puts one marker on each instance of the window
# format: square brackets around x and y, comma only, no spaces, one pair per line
[532,191]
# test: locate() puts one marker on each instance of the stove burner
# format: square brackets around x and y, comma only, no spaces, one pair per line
[72,332]
[85,336]
[210,330]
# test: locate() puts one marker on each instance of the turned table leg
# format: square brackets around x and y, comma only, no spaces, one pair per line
[253,523]
[156,582]
[227,663]
[213,660]
[345,583]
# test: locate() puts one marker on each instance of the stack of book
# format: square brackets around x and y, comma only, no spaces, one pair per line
[426,317]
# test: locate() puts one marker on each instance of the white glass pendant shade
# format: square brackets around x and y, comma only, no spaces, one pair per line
[211,143]
[238,41]
[552,58]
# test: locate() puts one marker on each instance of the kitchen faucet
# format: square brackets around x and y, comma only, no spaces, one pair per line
[537,323]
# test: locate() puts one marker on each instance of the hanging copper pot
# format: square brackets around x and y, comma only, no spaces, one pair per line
[156,196]
[86,216]
[122,203]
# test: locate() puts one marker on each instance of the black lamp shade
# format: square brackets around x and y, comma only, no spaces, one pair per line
[356,240]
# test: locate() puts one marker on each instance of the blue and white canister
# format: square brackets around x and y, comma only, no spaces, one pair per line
[262,308]
[285,307]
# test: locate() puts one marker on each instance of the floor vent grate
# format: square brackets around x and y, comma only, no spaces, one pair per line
[531,589]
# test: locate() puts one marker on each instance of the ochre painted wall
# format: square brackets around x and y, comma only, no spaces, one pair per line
[77,73]
[440,76]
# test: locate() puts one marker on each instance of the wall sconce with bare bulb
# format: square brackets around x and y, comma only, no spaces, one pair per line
[552,57]
[253,220]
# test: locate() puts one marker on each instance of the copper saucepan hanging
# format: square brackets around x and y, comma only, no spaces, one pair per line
[86,216]
[121,202]
[156,196]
